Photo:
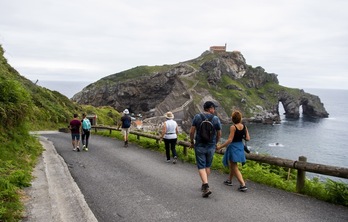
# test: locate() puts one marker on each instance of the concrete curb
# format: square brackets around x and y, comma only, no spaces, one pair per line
[54,195]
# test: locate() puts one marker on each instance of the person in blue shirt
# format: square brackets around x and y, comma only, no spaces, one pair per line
[86,128]
[204,151]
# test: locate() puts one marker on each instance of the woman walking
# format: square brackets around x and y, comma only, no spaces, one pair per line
[170,135]
[234,153]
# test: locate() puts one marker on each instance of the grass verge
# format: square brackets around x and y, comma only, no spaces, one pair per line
[18,156]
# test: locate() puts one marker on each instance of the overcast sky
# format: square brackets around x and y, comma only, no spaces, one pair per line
[305,42]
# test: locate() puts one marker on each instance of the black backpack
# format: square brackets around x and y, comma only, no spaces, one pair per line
[206,129]
[127,122]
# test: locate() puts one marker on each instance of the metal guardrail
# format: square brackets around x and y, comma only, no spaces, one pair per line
[300,165]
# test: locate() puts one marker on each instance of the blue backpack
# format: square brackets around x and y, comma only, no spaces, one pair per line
[86,124]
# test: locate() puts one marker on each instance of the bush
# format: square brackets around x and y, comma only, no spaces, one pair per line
[15,103]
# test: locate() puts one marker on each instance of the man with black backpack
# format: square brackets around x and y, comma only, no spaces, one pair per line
[205,133]
[126,123]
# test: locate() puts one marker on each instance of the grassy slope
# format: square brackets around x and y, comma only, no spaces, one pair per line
[25,106]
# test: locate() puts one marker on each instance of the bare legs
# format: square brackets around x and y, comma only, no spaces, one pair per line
[234,171]
[76,143]
[204,173]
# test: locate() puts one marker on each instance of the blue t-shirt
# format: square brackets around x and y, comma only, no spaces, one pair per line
[197,122]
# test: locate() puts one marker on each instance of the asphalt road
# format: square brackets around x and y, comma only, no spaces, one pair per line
[136,184]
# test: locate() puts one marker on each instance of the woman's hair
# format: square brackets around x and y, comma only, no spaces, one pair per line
[236,117]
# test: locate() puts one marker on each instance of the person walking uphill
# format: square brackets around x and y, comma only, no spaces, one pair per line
[74,127]
[205,125]
[234,153]
[170,135]
[86,128]
[126,123]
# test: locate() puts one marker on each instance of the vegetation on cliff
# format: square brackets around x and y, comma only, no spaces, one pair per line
[225,78]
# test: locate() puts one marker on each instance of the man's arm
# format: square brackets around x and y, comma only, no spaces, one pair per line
[218,135]
[192,135]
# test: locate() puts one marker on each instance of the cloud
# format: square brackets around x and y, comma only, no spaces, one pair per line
[298,40]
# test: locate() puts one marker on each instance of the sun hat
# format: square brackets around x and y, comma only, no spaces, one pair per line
[169,115]
[126,111]
[209,104]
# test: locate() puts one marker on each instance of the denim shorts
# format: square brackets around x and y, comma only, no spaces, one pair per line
[75,136]
[204,156]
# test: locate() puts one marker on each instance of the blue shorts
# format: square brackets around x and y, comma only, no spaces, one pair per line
[75,136]
[204,156]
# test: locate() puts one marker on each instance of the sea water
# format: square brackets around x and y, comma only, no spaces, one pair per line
[67,88]
[322,141]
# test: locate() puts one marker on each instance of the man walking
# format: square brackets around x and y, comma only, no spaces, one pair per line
[74,127]
[126,123]
[205,148]
[86,128]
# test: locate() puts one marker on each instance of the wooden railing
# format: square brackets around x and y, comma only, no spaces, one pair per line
[300,165]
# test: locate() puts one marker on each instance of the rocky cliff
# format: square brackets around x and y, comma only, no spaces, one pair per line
[183,88]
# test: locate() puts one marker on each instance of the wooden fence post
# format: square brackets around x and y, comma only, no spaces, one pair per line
[301,176]
[185,150]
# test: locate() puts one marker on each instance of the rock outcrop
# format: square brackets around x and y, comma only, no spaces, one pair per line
[183,88]
[311,104]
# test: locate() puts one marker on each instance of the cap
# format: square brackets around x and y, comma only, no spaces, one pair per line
[209,104]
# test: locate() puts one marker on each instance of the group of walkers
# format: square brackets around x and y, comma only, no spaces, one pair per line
[205,148]
[204,145]
[83,127]
[80,127]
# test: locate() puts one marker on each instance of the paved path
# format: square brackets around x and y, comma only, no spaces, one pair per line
[135,184]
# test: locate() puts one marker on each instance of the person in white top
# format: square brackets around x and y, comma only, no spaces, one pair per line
[170,136]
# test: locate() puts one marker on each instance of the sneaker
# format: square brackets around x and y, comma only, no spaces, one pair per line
[175,159]
[86,149]
[242,188]
[228,183]
[167,161]
[206,192]
[74,149]
[78,149]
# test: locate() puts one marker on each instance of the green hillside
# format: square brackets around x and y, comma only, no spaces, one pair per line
[25,107]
